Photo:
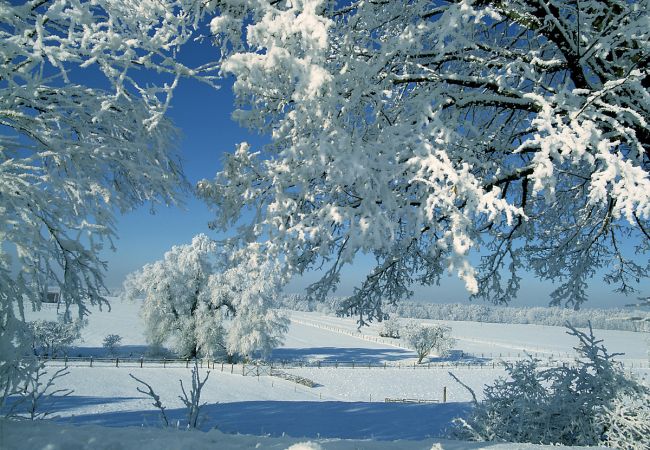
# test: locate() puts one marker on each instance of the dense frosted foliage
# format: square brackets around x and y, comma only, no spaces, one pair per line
[590,402]
[50,338]
[251,288]
[421,132]
[82,134]
[208,305]
[176,299]
[427,339]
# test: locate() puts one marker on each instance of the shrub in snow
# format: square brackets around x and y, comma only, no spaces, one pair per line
[192,401]
[51,337]
[390,328]
[579,404]
[111,343]
[425,339]
[627,422]
[37,391]
[305,446]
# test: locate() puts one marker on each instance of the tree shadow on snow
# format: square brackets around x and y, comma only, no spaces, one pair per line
[57,403]
[123,351]
[347,420]
[338,354]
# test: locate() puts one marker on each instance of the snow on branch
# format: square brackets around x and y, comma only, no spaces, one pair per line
[516,130]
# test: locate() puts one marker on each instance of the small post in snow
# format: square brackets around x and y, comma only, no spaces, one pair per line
[444,394]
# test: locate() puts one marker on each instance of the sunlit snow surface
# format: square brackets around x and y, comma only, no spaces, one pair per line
[346,403]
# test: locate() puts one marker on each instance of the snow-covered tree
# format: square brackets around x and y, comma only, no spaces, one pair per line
[176,298]
[391,328]
[51,337]
[576,404]
[111,343]
[208,304]
[425,339]
[250,287]
[83,92]
[423,131]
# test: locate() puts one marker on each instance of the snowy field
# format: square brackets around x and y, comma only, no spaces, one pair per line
[345,403]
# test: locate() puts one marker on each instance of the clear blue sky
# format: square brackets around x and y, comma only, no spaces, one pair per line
[203,115]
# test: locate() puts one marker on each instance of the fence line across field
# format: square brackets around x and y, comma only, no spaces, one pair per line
[262,368]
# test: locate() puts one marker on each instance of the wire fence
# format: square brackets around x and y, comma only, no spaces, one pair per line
[264,367]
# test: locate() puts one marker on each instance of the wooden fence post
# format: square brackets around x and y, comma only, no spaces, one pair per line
[141,361]
[117,362]
[444,394]
[91,361]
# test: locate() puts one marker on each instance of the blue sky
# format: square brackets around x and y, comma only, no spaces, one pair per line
[203,116]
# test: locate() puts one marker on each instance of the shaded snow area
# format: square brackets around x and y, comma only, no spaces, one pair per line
[54,436]
[345,408]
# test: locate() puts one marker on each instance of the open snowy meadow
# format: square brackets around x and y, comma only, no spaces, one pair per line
[329,384]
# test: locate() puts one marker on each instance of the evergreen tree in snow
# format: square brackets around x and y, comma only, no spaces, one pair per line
[576,404]
[421,131]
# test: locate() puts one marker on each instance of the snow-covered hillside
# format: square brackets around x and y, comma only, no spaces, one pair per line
[344,403]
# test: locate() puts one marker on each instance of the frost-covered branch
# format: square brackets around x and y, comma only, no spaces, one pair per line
[83,135]
[193,402]
[421,134]
[155,397]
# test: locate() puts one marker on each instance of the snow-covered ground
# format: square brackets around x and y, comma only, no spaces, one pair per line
[51,436]
[345,403]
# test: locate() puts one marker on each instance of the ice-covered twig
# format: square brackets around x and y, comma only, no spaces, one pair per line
[192,403]
[471,391]
[155,397]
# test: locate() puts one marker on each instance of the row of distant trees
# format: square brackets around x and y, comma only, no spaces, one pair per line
[605,319]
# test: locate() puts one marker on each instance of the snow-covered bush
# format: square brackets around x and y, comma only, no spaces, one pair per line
[627,421]
[425,339]
[111,343]
[578,404]
[51,337]
[391,328]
